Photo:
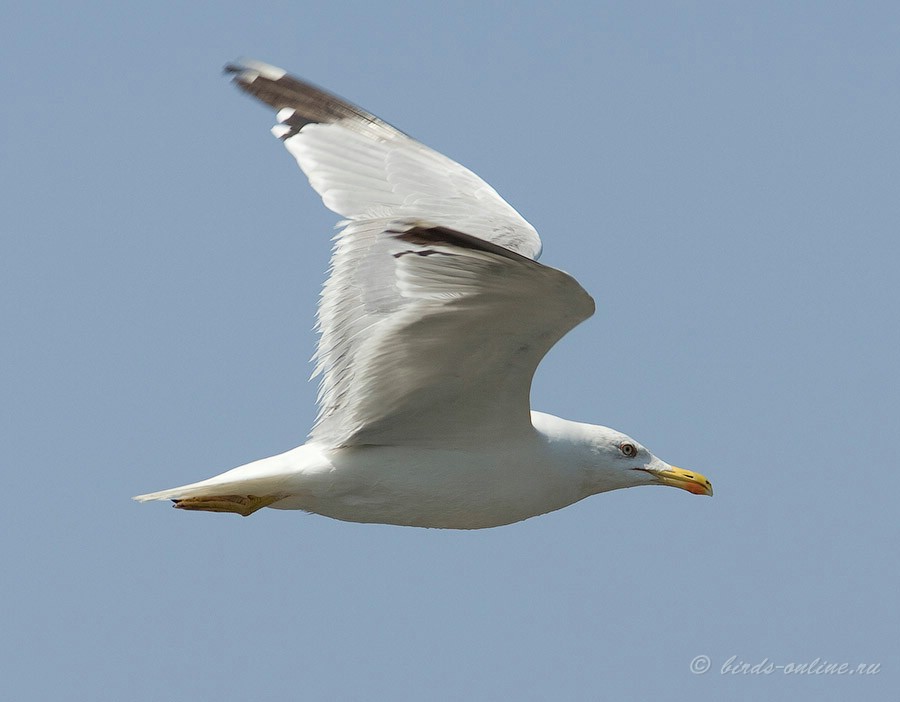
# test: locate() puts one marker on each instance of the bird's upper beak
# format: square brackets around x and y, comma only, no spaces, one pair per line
[685,479]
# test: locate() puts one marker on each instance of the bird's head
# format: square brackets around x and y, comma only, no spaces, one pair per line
[630,464]
[609,459]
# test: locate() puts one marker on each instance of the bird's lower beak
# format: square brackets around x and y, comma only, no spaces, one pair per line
[684,479]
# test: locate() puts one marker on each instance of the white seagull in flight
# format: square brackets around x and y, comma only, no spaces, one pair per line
[432,323]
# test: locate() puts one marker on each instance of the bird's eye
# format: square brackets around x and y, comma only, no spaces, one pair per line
[628,450]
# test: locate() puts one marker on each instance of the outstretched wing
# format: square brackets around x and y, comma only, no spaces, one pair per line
[435,315]
[366,169]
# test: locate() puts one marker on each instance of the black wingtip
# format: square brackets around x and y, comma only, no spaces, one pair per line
[277,88]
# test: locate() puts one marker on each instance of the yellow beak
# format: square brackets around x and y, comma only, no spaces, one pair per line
[685,479]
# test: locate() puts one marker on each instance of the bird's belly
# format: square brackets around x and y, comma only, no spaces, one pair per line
[441,488]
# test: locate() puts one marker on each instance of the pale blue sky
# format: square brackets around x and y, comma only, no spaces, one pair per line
[722,177]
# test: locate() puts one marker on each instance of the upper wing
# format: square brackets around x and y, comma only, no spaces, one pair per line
[435,315]
[366,169]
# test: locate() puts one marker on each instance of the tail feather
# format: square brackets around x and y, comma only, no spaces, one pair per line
[269,476]
[178,493]
[213,486]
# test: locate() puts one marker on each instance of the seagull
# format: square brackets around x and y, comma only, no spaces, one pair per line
[431,325]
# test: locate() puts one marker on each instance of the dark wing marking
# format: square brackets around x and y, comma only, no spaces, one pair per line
[310,103]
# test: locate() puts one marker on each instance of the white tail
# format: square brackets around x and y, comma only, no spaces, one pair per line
[276,475]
